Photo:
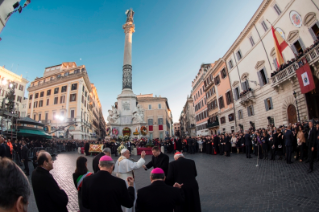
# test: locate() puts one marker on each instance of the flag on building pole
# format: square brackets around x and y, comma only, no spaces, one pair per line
[305,78]
[280,45]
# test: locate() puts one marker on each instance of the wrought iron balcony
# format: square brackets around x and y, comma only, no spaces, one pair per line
[290,71]
[46,121]
[213,124]
[247,98]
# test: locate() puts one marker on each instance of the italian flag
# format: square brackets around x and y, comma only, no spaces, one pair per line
[280,45]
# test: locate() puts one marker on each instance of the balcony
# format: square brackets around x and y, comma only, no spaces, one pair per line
[247,98]
[289,73]
[213,124]
[45,122]
[69,120]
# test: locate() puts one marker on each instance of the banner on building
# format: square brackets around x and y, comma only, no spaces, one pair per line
[305,79]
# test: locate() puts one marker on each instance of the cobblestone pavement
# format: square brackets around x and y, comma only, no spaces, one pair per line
[225,184]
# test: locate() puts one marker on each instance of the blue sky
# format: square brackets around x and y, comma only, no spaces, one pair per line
[172,39]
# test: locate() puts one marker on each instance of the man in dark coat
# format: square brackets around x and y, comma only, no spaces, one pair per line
[48,196]
[3,148]
[289,138]
[178,145]
[159,197]
[86,147]
[159,160]
[190,145]
[25,158]
[312,136]
[102,186]
[248,144]
[183,171]
[95,162]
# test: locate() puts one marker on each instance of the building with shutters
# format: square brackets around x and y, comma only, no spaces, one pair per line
[157,115]
[187,119]
[200,101]
[65,101]
[261,98]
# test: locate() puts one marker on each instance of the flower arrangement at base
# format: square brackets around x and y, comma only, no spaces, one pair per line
[115,131]
[126,137]
[108,131]
[127,131]
[136,132]
[149,144]
[144,130]
[120,138]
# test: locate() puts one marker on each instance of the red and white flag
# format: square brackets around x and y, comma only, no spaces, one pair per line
[280,45]
[305,79]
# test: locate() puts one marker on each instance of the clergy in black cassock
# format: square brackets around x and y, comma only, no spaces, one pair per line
[178,145]
[208,147]
[159,160]
[183,171]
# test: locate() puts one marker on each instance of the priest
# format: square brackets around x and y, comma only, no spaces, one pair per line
[124,168]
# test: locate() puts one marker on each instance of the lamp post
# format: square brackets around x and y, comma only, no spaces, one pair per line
[295,95]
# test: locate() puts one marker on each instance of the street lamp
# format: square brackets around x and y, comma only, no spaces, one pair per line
[295,95]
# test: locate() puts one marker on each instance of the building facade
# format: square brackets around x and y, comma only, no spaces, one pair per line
[64,101]
[199,98]
[157,115]
[259,97]
[187,119]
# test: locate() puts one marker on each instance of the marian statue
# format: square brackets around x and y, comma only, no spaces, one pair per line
[114,116]
[129,14]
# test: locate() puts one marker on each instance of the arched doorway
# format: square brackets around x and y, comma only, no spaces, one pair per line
[292,114]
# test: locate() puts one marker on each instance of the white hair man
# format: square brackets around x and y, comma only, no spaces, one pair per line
[124,169]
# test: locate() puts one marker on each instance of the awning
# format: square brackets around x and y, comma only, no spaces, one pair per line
[30,132]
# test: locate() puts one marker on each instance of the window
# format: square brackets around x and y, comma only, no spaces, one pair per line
[21,87]
[48,102]
[76,71]
[159,106]
[74,86]
[29,105]
[268,104]
[277,9]
[72,114]
[34,117]
[56,90]
[83,88]
[250,110]
[86,93]
[72,97]
[222,120]
[298,46]
[231,117]
[238,54]
[35,104]
[39,117]
[223,73]
[240,114]
[42,94]
[160,121]
[150,122]
[221,102]
[236,93]
[48,92]
[230,64]
[314,31]
[149,107]
[53,116]
[82,99]
[264,25]
[56,100]
[217,80]
[63,89]
[229,97]
[36,95]
[41,103]
[245,85]
[46,116]
[262,76]
[62,99]
[252,42]
[66,73]
[30,97]
[19,98]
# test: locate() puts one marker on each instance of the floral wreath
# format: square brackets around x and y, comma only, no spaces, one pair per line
[126,131]
[108,131]
[115,131]
[144,130]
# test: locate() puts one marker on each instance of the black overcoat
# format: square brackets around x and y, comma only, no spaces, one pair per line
[95,162]
[160,161]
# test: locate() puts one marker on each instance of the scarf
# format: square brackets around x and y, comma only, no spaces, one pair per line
[79,181]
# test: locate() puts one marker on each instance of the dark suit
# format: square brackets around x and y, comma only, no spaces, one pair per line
[96,161]
[3,150]
[48,195]
[184,171]
[248,145]
[158,197]
[160,161]
[311,139]
[128,145]
[289,138]
[25,158]
[104,192]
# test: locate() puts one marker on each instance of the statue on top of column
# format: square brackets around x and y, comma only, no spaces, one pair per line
[129,14]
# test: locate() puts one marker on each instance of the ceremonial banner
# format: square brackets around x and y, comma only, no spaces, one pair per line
[96,148]
[305,79]
[280,45]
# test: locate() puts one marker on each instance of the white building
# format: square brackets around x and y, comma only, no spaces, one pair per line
[251,60]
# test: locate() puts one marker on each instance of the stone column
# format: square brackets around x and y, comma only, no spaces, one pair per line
[129,29]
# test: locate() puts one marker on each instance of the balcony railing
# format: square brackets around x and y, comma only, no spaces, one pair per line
[46,121]
[247,98]
[213,124]
[286,74]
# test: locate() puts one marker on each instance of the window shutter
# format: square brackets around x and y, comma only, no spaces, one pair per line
[294,49]
[275,63]
[312,34]
[272,107]
[230,96]
[266,75]
[260,79]
[243,86]
[302,44]
[248,111]
[238,58]
[235,94]
[266,105]
[252,109]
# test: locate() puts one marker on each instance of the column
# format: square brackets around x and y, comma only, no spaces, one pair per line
[129,29]
[78,104]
